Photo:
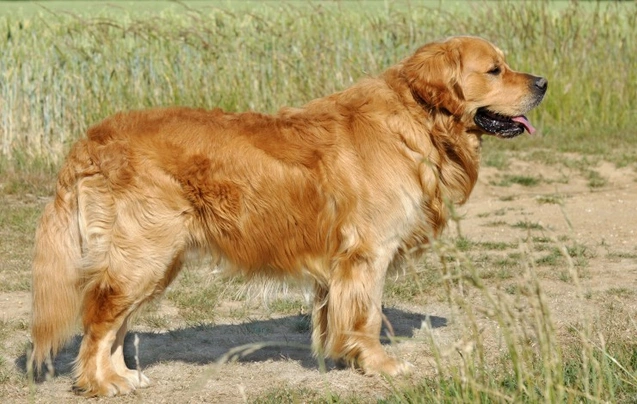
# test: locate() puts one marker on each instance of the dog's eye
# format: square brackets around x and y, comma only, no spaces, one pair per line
[495,71]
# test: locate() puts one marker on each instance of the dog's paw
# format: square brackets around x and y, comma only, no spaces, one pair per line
[137,378]
[386,365]
[108,387]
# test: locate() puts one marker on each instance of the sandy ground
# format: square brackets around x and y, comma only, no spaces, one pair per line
[182,361]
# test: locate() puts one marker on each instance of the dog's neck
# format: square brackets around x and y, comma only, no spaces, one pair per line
[456,168]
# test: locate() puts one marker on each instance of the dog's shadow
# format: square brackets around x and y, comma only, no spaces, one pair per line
[286,338]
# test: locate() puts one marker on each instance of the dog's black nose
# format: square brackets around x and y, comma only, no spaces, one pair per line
[541,83]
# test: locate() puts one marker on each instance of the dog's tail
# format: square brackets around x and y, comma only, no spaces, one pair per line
[57,284]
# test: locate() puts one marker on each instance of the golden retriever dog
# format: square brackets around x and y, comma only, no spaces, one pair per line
[332,192]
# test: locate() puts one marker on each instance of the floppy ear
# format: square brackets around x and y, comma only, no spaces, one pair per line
[433,74]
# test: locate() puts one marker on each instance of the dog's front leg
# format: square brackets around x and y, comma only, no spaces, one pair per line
[347,315]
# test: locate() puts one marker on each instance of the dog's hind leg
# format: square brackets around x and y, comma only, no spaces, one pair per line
[129,257]
[135,376]
[109,301]
[105,311]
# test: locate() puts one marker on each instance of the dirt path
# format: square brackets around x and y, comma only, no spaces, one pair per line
[181,361]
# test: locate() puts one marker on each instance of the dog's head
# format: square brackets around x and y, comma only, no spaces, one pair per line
[468,77]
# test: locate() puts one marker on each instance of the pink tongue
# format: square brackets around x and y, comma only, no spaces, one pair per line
[527,125]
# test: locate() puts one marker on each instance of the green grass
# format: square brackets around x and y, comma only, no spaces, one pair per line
[285,394]
[618,255]
[621,292]
[414,286]
[17,226]
[497,159]
[495,223]
[527,225]
[536,362]
[575,254]
[21,218]
[162,7]
[63,71]
[551,199]
[524,180]
[196,296]
[497,245]
[595,179]
[287,305]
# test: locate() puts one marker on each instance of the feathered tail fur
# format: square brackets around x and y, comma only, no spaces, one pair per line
[56,285]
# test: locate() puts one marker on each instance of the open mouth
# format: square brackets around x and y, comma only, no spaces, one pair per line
[502,126]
